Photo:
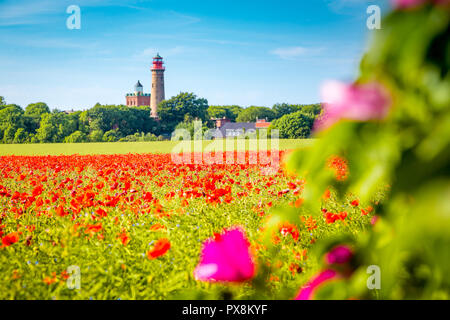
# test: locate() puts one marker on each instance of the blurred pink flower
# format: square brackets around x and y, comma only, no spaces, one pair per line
[307,292]
[374,220]
[226,257]
[339,255]
[360,102]
[406,4]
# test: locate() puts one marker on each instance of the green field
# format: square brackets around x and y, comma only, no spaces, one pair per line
[132,147]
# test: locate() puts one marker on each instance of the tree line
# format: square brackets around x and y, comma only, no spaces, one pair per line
[109,123]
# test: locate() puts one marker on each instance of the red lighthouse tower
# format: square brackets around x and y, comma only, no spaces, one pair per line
[157,94]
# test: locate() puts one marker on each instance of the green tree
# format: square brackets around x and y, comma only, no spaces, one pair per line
[67,124]
[48,129]
[96,136]
[56,126]
[190,126]
[230,112]
[282,109]
[150,137]
[11,118]
[173,111]
[11,114]
[83,122]
[76,137]
[2,101]
[111,136]
[127,120]
[20,136]
[314,110]
[32,138]
[295,125]
[37,109]
[235,111]
[8,135]
[250,114]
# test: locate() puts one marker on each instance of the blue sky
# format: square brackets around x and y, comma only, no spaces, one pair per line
[241,52]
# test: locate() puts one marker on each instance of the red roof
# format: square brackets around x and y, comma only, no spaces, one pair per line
[262,124]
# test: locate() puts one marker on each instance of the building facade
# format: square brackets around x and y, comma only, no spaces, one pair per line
[138,98]
[225,128]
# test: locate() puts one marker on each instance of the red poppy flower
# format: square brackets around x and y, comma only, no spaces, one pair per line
[93,228]
[10,239]
[340,167]
[288,228]
[123,237]
[160,248]
[157,227]
[100,212]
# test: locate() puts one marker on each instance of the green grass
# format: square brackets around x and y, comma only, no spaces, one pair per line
[130,147]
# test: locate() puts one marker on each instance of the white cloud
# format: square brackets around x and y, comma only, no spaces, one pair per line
[52,43]
[28,12]
[176,50]
[22,12]
[222,42]
[151,52]
[346,3]
[353,7]
[186,19]
[289,53]
[15,10]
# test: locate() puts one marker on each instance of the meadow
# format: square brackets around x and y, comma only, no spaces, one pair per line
[132,226]
[130,147]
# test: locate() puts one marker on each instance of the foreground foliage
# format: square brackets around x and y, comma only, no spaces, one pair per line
[392,125]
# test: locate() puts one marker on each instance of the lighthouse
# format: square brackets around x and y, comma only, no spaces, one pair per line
[157,94]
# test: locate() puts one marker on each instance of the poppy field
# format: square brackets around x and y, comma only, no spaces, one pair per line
[360,212]
[134,227]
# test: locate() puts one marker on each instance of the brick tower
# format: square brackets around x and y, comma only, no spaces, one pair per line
[157,94]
